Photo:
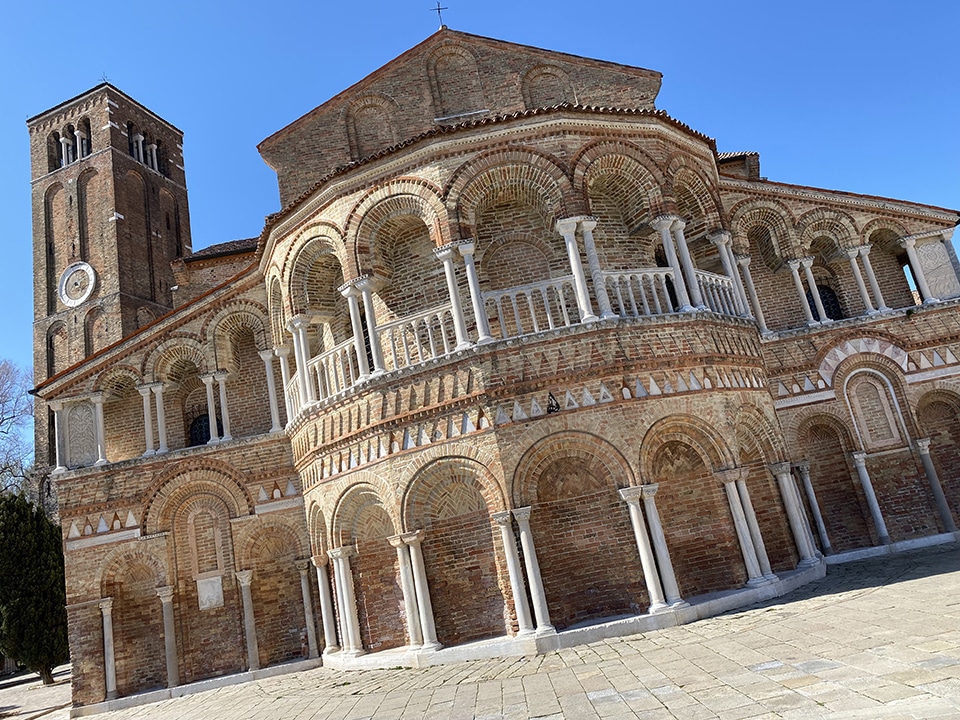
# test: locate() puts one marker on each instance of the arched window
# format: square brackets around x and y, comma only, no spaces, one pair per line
[200,430]
[831,303]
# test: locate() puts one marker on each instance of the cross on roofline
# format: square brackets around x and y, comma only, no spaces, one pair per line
[438,10]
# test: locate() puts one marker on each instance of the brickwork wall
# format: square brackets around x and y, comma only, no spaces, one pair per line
[138,632]
[376,577]
[939,421]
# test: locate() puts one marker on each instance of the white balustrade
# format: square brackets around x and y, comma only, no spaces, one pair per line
[532,308]
[641,293]
[292,392]
[419,338]
[336,369]
[718,292]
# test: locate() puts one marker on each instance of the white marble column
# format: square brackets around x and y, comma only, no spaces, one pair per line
[852,254]
[221,378]
[365,285]
[330,644]
[97,400]
[648,562]
[587,224]
[909,244]
[244,577]
[446,254]
[66,149]
[343,577]
[749,553]
[795,517]
[283,353]
[158,388]
[670,588]
[721,240]
[267,357]
[109,656]
[662,224]
[303,566]
[83,147]
[518,589]
[568,229]
[807,264]
[804,470]
[467,248]
[424,605]
[145,393]
[943,508]
[743,262]
[689,272]
[169,636]
[211,410]
[410,607]
[860,460]
[872,278]
[59,439]
[535,581]
[753,525]
[794,266]
[350,292]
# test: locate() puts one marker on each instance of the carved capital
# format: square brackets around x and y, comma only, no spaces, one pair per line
[730,475]
[860,459]
[466,246]
[631,494]
[244,577]
[780,468]
[106,605]
[165,594]
[319,560]
[523,516]
[446,252]
[282,351]
[566,226]
[650,489]
[344,552]
[663,222]
[803,466]
[503,519]
[923,445]
[588,223]
[412,538]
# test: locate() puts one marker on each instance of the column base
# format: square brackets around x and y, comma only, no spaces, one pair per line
[808,563]
[609,316]
[463,346]
[657,608]
[331,650]
[678,603]
[486,340]
[759,581]
[430,647]
[687,308]
[149,453]
[112,695]
[545,630]
[101,462]
[589,319]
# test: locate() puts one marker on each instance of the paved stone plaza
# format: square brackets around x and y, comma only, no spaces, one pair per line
[878,638]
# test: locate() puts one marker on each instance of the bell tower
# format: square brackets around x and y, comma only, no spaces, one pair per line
[110,214]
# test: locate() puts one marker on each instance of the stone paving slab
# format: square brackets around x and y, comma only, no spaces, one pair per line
[878,638]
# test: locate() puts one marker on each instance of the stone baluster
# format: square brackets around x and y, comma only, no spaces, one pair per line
[365,285]
[221,378]
[467,248]
[872,278]
[410,607]
[804,469]
[424,605]
[97,399]
[860,460]
[587,224]
[351,293]
[145,393]
[534,580]
[446,254]
[284,354]
[211,410]
[504,521]
[158,388]
[946,517]
[109,656]
[795,516]
[909,244]
[662,224]
[568,229]
[689,272]
[632,496]
[327,613]
[245,577]
[852,254]
[165,594]
[303,566]
[267,357]
[743,262]
[794,266]
[670,588]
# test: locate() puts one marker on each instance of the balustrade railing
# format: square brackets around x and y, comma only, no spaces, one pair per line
[641,293]
[335,370]
[417,339]
[291,392]
[717,291]
[532,308]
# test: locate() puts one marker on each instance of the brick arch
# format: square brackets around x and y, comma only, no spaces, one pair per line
[605,156]
[116,376]
[837,352]
[275,308]
[317,528]
[938,418]
[113,566]
[821,222]
[773,216]
[546,86]
[304,254]
[496,261]
[349,510]
[165,356]
[438,489]
[592,449]
[273,537]
[175,485]
[691,431]
[683,179]
[228,326]
[454,80]
[371,125]
[756,427]
[888,230]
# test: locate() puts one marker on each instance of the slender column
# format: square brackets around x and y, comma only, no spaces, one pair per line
[540,609]
[794,266]
[109,658]
[169,636]
[343,575]
[860,460]
[852,254]
[138,147]
[743,261]
[267,357]
[144,391]
[365,284]
[667,576]
[946,517]
[467,248]
[83,148]
[65,146]
[814,292]
[424,606]
[517,588]
[326,606]
[651,577]
[446,254]
[152,156]
[909,244]
[721,240]
[59,429]
[568,229]
[754,527]
[689,271]
[301,347]
[587,225]
[283,353]
[244,577]
[304,567]
[410,607]
[754,576]
[781,471]
[211,410]
[351,294]
[161,418]
[97,399]
[221,378]
[804,468]
[872,279]
[663,224]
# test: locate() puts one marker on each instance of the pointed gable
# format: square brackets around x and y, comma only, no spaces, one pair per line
[448,79]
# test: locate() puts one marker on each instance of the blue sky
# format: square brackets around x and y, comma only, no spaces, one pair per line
[851,95]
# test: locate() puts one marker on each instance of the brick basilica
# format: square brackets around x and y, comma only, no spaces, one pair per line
[522,362]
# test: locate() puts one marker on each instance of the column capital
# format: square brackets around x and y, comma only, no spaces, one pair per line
[678,223]
[412,538]
[780,468]
[220,375]
[503,519]
[364,282]
[302,564]
[282,351]
[860,459]
[794,264]
[165,593]
[631,494]
[923,445]
[55,405]
[742,260]
[298,322]
[803,466]
[266,355]
[566,226]
[466,246]
[396,541]
[588,223]
[207,379]
[522,515]
[106,605]
[344,552]
[907,242]
[96,398]
[850,252]
[807,261]
[144,390]
[244,577]
[720,237]
[864,250]
[730,475]
[650,489]
[663,222]
[446,252]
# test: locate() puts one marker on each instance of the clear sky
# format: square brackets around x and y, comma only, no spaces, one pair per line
[849,94]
